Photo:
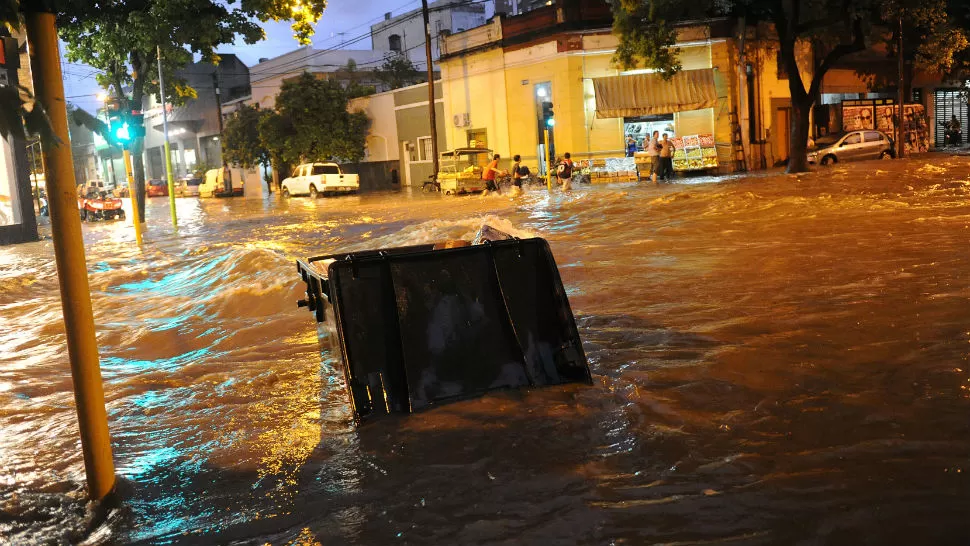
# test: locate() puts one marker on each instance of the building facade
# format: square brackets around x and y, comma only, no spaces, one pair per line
[268,76]
[194,127]
[497,77]
[18,221]
[404,34]
[398,153]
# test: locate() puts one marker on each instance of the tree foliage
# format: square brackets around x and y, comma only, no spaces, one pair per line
[353,76]
[398,71]
[240,138]
[311,123]
[834,29]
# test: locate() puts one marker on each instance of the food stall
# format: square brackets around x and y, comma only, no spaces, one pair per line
[694,153]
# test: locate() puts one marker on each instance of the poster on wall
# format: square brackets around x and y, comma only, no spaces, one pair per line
[916,129]
[886,117]
[694,153]
[857,118]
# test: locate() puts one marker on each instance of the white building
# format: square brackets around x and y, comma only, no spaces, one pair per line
[404,34]
[268,75]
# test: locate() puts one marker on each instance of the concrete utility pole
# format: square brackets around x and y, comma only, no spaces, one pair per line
[227,181]
[900,147]
[431,112]
[168,149]
[72,271]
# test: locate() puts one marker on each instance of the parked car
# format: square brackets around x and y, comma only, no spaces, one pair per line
[215,183]
[319,178]
[121,191]
[854,145]
[188,186]
[157,188]
[96,205]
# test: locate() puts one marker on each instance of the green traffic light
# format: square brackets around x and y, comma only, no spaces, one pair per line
[122,133]
[550,122]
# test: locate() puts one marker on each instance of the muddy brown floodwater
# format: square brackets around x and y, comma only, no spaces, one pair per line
[776,360]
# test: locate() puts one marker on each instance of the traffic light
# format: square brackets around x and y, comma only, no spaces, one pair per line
[548,116]
[136,124]
[121,133]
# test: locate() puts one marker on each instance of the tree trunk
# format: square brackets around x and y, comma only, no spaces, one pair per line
[138,167]
[798,142]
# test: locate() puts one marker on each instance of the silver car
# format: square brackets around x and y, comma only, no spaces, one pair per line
[854,145]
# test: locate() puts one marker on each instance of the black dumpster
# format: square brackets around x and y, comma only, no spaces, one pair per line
[423,325]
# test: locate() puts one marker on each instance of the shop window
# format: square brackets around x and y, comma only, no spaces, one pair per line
[424,149]
[640,129]
[394,42]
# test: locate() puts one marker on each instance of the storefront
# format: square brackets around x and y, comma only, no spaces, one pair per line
[682,107]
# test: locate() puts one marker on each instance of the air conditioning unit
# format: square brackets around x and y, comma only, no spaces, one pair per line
[462,120]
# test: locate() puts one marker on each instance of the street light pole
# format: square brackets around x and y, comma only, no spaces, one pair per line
[431,112]
[168,149]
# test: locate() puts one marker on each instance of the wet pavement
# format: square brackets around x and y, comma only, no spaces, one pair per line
[777,360]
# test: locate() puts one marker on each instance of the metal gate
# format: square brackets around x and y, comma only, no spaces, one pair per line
[947,103]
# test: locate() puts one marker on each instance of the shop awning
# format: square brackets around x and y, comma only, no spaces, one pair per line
[647,94]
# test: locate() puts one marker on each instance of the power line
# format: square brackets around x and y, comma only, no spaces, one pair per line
[417,13]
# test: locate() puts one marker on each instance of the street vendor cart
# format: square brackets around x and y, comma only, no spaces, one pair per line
[460,170]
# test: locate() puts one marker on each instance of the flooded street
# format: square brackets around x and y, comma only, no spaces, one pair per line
[776,360]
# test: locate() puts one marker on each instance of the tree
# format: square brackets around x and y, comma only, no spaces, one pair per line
[311,123]
[833,28]
[353,76]
[398,71]
[120,39]
[240,138]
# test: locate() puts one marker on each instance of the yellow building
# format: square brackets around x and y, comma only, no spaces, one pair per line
[496,78]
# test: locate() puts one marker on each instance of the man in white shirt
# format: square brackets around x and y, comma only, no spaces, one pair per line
[653,152]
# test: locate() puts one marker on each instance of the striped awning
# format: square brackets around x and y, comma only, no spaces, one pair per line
[648,94]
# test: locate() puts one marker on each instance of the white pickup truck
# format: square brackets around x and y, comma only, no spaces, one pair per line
[316,178]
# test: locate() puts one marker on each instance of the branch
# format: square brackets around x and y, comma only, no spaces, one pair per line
[839,51]
[816,24]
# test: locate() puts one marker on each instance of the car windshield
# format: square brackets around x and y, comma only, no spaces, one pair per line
[156,182]
[195,182]
[828,140]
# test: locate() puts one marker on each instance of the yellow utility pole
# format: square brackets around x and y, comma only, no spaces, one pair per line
[545,146]
[131,190]
[72,271]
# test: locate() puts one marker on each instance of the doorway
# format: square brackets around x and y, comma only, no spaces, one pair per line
[781,130]
[406,163]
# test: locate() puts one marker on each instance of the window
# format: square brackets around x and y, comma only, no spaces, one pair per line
[424,149]
[325,169]
[873,136]
[394,42]
[854,138]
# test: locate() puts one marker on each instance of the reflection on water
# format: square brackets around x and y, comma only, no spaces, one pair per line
[777,360]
